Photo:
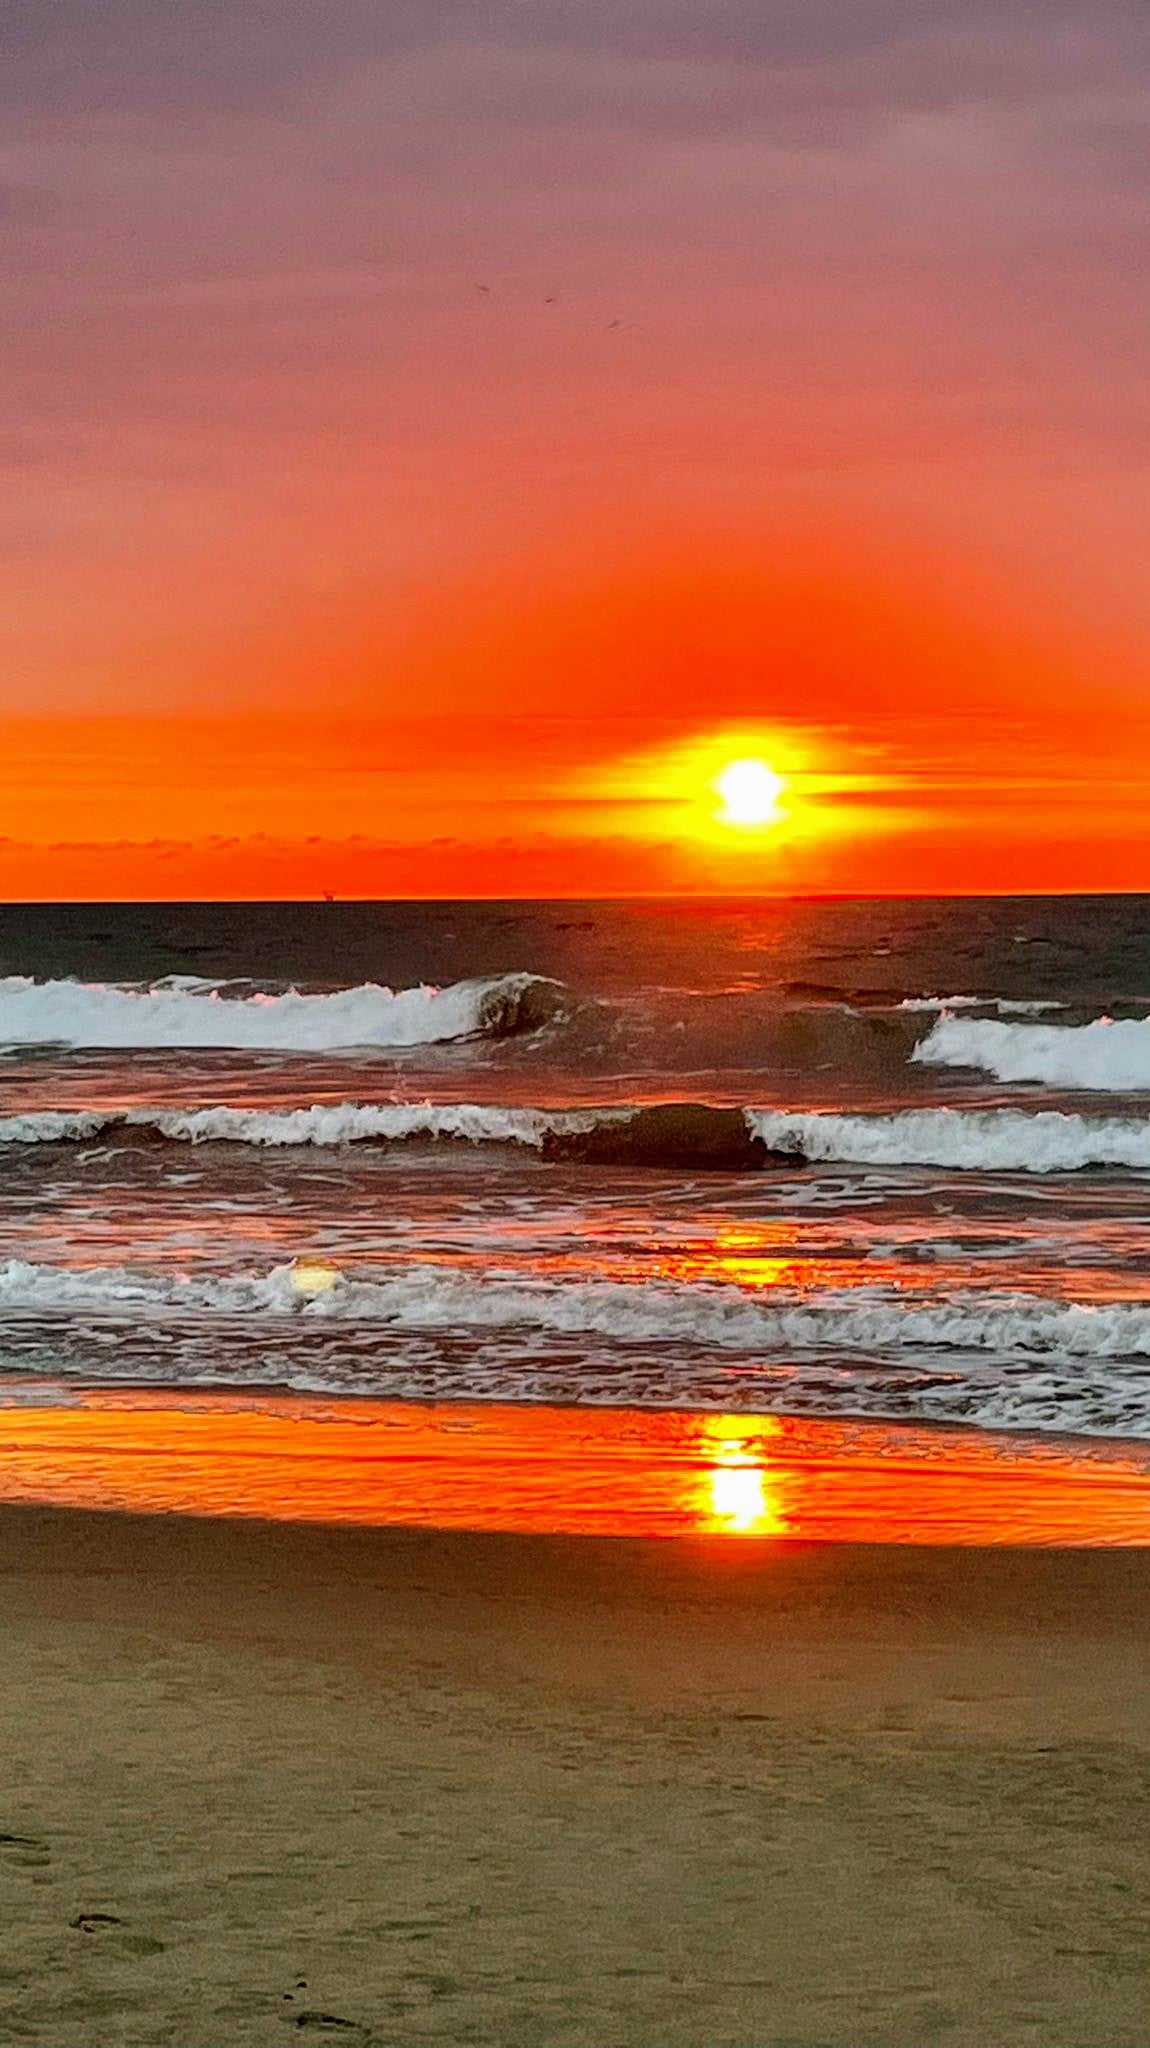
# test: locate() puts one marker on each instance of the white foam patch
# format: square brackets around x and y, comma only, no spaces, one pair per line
[56,1126]
[942,1003]
[187,1012]
[978,1141]
[1007,1006]
[1105,1056]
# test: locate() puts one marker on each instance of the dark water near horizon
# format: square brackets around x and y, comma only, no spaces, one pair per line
[850,1158]
[1076,948]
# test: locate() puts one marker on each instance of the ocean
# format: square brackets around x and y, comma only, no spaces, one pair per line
[849,1159]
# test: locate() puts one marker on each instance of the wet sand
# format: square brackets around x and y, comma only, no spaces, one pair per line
[551,1792]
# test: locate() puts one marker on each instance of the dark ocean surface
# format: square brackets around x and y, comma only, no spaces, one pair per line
[848,1158]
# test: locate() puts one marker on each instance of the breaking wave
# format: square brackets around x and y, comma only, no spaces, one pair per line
[962,1140]
[339,1123]
[669,1134]
[1107,1056]
[190,1013]
[687,1135]
[656,1031]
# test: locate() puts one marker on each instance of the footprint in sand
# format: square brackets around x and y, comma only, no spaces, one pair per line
[330,2022]
[107,1923]
[26,1850]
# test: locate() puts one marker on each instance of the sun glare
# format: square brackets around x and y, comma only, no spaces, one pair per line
[739,1499]
[750,792]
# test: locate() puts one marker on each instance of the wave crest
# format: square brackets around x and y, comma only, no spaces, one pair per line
[1105,1056]
[187,1013]
[960,1140]
[661,1136]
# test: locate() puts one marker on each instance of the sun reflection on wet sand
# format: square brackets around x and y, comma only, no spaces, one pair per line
[594,1471]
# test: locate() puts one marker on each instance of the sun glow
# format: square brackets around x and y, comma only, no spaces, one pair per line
[750,792]
[734,802]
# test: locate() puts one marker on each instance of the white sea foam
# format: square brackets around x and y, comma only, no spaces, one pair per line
[1106,1056]
[185,1011]
[1007,1006]
[725,1316]
[973,1140]
[998,1360]
[941,1003]
[56,1126]
[337,1123]
[346,1123]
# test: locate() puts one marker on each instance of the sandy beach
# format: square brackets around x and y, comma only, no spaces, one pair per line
[267,1782]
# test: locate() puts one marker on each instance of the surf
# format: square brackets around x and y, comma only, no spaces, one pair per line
[1108,1055]
[665,1136]
[192,1014]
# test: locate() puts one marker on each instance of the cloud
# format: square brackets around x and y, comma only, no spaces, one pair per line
[231,53]
[869,265]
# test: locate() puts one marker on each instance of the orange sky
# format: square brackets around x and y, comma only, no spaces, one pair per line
[434,436]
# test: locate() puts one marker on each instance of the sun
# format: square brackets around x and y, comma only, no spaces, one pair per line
[750,792]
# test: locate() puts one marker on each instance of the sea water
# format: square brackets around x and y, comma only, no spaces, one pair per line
[846,1159]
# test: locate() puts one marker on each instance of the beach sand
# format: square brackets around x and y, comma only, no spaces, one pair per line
[382,1785]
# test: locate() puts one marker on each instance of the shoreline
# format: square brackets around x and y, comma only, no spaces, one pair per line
[272,1392]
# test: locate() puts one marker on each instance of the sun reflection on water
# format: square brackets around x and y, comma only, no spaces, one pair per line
[739,1498]
[576,1471]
